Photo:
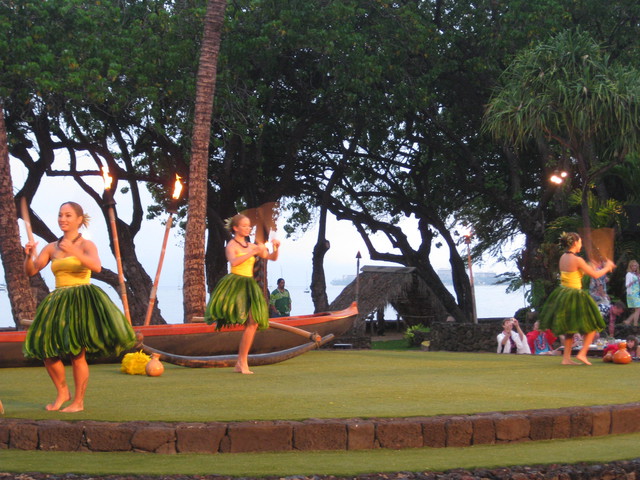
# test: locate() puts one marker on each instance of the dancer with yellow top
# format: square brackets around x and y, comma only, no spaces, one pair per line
[237,298]
[570,309]
[77,318]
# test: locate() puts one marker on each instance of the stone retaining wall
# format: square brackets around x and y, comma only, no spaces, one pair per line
[315,434]
[465,337]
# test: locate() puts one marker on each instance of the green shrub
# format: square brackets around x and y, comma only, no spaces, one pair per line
[416,334]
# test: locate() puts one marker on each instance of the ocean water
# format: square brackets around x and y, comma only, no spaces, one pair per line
[491,301]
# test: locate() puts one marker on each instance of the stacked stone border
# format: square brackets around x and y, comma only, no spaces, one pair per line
[320,434]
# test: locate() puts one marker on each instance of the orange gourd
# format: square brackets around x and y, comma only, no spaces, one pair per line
[154,366]
[622,355]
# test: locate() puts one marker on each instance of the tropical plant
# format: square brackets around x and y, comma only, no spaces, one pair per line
[416,334]
[566,95]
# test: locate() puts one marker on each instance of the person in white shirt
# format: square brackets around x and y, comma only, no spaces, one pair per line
[512,339]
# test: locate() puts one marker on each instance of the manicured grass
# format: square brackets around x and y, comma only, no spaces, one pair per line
[400,344]
[593,450]
[332,384]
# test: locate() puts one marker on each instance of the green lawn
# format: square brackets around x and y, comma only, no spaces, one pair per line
[331,384]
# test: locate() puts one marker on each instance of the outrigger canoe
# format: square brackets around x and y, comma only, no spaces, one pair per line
[201,345]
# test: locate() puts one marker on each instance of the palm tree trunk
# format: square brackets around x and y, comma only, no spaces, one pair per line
[194,255]
[23,304]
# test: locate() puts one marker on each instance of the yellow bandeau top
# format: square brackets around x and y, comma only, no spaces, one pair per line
[571,279]
[70,272]
[245,268]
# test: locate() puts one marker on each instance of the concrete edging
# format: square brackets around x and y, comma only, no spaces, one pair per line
[320,434]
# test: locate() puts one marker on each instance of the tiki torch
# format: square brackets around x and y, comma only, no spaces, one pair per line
[110,203]
[173,208]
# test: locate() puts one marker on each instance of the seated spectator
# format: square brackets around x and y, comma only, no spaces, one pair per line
[632,347]
[541,342]
[510,340]
[611,313]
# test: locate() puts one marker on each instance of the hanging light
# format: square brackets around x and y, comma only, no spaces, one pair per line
[558,177]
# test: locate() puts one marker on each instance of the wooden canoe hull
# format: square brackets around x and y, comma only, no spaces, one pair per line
[202,340]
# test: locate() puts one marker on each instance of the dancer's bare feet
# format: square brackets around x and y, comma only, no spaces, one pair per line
[62,397]
[74,407]
[583,359]
[244,369]
[569,362]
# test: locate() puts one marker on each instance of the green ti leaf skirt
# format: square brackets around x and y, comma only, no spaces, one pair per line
[233,299]
[570,310]
[79,317]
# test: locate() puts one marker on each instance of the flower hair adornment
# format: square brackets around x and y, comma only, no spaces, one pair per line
[228,224]
[231,222]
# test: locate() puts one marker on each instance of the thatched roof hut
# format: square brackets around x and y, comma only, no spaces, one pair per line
[379,286]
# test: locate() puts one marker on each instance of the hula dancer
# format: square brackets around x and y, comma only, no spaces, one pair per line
[569,309]
[77,318]
[237,299]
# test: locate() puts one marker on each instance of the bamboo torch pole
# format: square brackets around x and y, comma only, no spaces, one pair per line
[110,203]
[173,207]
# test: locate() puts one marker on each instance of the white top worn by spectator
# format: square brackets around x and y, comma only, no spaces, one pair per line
[510,338]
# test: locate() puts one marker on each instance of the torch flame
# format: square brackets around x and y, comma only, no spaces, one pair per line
[467,233]
[106,178]
[177,188]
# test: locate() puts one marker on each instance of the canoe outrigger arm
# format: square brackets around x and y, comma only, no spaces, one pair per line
[313,336]
[218,361]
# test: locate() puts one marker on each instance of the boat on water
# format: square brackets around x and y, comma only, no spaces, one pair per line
[201,345]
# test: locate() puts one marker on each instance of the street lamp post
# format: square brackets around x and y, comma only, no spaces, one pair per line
[358,257]
[467,240]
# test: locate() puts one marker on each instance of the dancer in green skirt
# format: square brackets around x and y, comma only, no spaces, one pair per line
[77,318]
[570,309]
[237,298]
